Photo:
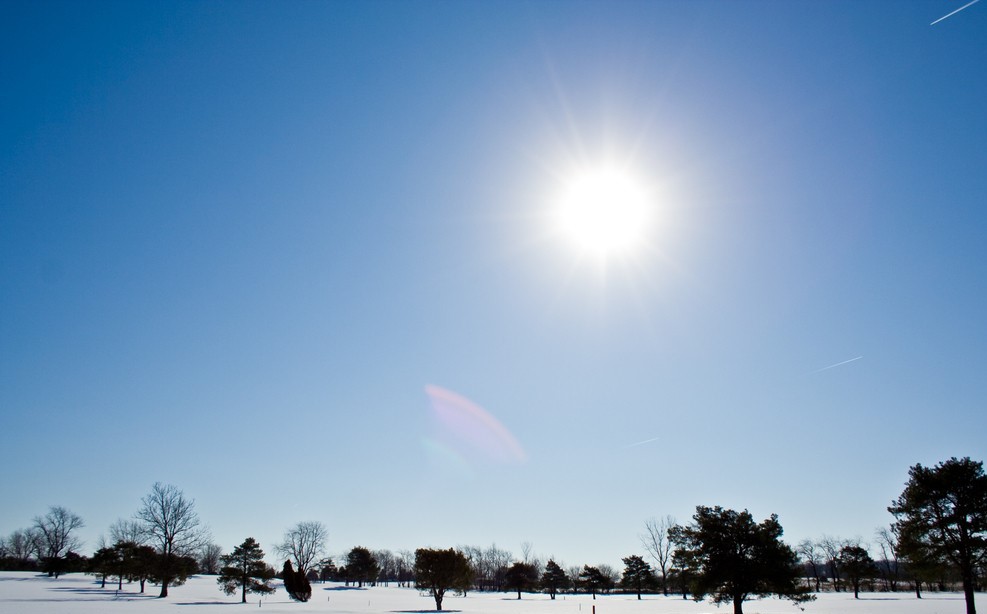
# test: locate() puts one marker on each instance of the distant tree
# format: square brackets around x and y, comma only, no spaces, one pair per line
[553,578]
[304,544]
[177,569]
[656,542]
[55,536]
[327,570]
[857,566]
[124,530]
[245,569]
[831,547]
[387,565]
[890,568]
[638,575]
[592,580]
[809,551]
[296,584]
[19,548]
[209,558]
[138,561]
[171,523]
[732,558]
[362,565]
[521,577]
[437,571]
[942,516]
[105,562]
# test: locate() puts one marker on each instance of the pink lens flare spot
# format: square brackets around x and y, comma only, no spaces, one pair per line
[472,429]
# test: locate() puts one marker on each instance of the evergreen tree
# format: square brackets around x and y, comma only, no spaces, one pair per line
[362,565]
[638,575]
[942,516]
[521,577]
[731,558]
[295,583]
[592,579]
[103,563]
[436,571]
[245,569]
[554,578]
[857,566]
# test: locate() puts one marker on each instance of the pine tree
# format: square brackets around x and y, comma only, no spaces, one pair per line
[942,518]
[857,565]
[638,574]
[732,558]
[521,576]
[245,569]
[553,578]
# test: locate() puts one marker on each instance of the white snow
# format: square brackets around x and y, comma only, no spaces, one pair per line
[30,593]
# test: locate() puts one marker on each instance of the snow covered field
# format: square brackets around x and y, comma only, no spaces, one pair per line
[29,593]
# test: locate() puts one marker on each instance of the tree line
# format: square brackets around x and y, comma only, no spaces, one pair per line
[938,539]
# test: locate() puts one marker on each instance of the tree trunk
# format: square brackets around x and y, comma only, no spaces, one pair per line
[971,607]
[738,604]
[120,582]
[103,585]
[164,588]
[438,602]
[243,593]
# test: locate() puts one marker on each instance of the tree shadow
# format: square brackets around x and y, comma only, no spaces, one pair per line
[344,588]
[421,611]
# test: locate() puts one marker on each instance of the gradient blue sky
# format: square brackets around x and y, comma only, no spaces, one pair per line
[239,240]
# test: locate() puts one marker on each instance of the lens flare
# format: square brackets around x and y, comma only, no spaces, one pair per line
[472,431]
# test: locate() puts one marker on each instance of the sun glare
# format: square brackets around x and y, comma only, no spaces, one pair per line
[604,212]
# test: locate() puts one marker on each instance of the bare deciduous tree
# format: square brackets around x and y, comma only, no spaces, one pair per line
[657,544]
[887,541]
[831,546]
[811,556]
[55,534]
[171,523]
[209,559]
[304,544]
[124,530]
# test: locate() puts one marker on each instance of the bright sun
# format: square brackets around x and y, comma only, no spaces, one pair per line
[604,211]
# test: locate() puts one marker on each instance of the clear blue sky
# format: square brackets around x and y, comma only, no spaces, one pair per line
[239,240]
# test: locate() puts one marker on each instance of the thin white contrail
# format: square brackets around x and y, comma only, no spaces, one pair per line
[967,5]
[641,443]
[836,365]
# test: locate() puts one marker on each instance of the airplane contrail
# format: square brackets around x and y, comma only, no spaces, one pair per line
[641,443]
[837,364]
[967,5]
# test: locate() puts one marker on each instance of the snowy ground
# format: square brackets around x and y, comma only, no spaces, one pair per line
[29,593]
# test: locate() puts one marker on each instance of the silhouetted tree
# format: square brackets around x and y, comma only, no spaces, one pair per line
[361,565]
[295,583]
[553,578]
[105,562]
[55,536]
[857,566]
[521,577]
[890,568]
[732,558]
[437,571]
[638,575]
[209,558]
[656,542]
[942,515]
[171,523]
[244,568]
[809,551]
[304,543]
[591,579]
